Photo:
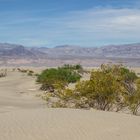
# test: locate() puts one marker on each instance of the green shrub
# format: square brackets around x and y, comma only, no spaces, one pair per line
[77,68]
[58,78]
[73,67]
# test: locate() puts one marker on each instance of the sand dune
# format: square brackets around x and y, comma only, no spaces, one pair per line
[25,117]
[18,90]
[67,124]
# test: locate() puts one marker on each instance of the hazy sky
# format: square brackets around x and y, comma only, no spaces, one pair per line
[74,22]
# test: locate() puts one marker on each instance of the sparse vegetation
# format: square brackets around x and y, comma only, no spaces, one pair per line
[27,71]
[110,88]
[30,73]
[3,73]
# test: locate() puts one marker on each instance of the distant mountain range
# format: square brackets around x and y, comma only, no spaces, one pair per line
[16,55]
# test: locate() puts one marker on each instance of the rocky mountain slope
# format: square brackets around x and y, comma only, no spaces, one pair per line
[117,51]
[41,55]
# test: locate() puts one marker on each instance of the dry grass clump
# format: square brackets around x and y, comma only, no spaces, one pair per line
[27,71]
[3,73]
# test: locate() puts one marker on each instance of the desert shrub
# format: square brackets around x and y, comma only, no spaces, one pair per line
[57,78]
[77,68]
[27,71]
[22,70]
[101,91]
[36,74]
[3,73]
[123,75]
[133,100]
[112,87]
[30,74]
[120,72]
[74,67]
[31,71]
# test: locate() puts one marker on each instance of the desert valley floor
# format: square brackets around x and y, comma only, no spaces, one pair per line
[24,116]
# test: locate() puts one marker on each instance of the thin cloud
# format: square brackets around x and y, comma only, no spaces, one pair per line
[88,27]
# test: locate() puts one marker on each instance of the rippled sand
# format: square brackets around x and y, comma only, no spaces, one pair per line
[23,116]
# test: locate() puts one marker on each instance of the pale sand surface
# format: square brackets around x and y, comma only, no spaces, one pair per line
[68,124]
[23,116]
[18,90]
